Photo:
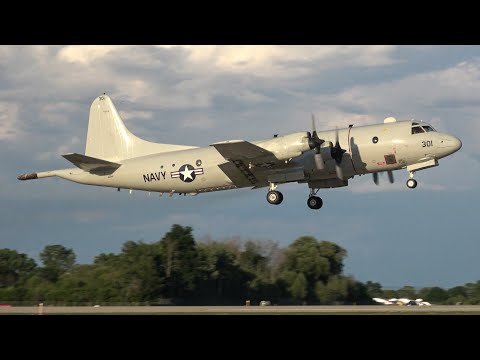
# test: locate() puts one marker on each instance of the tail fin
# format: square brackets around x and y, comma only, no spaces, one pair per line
[109,139]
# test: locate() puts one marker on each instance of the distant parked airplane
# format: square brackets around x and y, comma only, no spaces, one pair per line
[402,301]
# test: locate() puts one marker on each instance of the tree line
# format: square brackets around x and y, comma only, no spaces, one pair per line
[179,270]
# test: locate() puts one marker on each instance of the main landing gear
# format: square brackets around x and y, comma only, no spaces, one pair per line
[314,202]
[412,183]
[274,197]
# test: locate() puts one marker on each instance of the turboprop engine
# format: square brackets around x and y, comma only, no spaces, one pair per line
[288,146]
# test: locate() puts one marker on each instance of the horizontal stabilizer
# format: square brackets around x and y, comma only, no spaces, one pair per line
[91,164]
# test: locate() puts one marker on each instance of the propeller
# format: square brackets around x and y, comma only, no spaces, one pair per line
[390,177]
[337,154]
[315,142]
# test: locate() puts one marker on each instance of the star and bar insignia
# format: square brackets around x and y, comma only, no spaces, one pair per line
[187,173]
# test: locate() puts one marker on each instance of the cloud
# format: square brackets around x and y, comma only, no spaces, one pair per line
[283,61]
[59,113]
[65,148]
[9,128]
[136,115]
[86,54]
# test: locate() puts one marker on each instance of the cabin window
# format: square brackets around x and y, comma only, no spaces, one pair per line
[375,139]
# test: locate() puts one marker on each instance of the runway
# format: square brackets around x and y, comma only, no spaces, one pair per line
[242,310]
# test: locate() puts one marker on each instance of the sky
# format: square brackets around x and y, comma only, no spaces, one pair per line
[198,95]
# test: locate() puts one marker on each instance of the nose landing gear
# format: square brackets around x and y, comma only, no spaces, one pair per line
[412,183]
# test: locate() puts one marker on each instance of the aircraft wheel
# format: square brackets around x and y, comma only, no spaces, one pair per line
[412,183]
[274,197]
[314,202]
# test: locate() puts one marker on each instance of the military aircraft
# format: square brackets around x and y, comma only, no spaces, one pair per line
[115,157]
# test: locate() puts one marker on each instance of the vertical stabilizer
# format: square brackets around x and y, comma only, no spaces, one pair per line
[109,139]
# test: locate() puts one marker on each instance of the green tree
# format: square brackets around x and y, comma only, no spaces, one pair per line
[141,266]
[473,293]
[407,292]
[316,260]
[433,295]
[56,259]
[220,278]
[374,289]
[14,267]
[335,291]
[298,287]
[179,261]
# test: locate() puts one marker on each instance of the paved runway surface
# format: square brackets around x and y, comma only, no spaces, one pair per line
[230,310]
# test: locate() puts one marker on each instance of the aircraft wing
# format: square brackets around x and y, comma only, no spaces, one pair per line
[91,164]
[245,151]
[381,301]
[249,164]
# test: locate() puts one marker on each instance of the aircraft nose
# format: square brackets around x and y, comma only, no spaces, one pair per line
[452,143]
[455,143]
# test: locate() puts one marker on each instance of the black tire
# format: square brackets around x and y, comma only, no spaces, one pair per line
[274,197]
[314,202]
[412,183]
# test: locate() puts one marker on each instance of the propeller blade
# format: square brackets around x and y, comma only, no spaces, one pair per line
[375,178]
[313,140]
[390,176]
[337,151]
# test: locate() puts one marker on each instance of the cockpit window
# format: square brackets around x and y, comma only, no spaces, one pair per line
[428,128]
[417,130]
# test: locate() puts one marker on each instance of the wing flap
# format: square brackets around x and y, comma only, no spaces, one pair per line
[240,175]
[91,164]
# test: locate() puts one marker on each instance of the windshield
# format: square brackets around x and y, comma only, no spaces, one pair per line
[420,127]
[417,130]
[428,128]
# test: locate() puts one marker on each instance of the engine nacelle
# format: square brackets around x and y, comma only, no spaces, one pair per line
[287,146]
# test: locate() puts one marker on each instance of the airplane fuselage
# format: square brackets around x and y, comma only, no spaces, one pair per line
[372,148]
[114,157]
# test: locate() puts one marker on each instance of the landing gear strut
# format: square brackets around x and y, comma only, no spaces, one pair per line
[274,197]
[412,183]
[314,202]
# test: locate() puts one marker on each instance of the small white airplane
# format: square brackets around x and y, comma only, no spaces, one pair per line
[114,157]
[402,301]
